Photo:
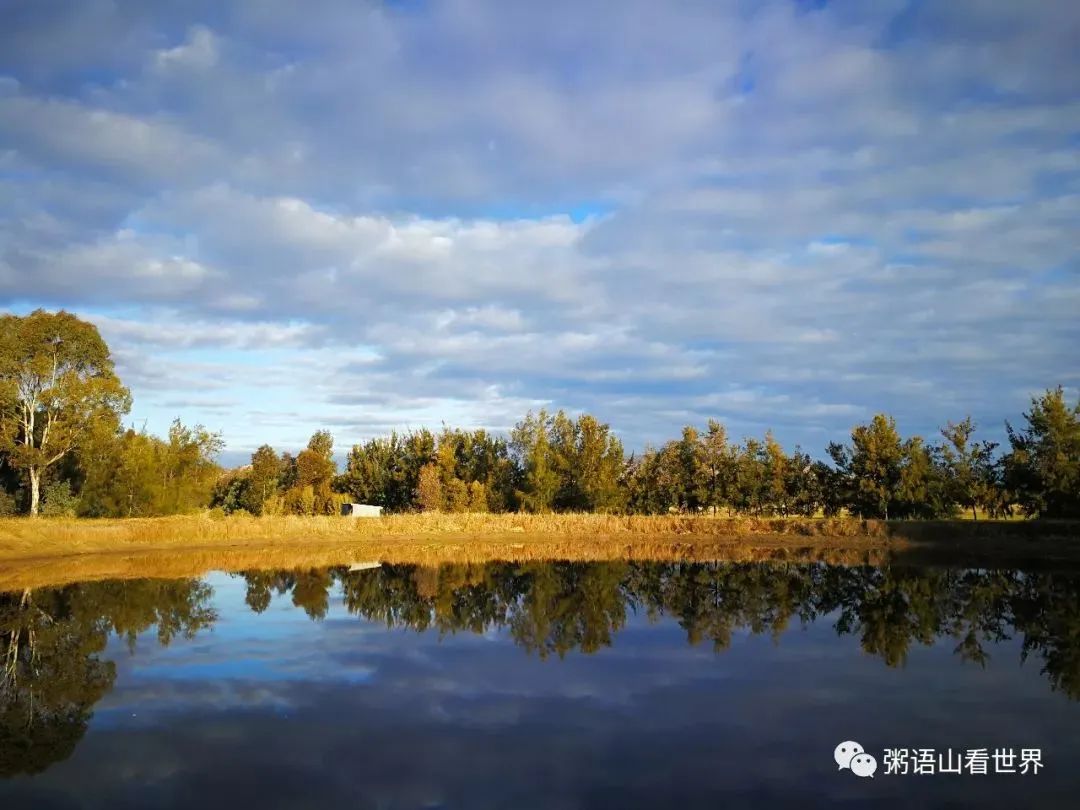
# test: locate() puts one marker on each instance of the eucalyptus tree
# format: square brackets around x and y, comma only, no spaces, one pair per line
[56,384]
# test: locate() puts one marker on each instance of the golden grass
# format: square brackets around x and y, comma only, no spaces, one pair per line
[22,536]
[49,551]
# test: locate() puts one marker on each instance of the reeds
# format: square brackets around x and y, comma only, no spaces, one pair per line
[19,536]
[49,551]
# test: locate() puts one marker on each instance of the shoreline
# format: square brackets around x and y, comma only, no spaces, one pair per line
[43,552]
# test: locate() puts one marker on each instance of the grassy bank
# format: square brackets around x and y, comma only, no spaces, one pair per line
[52,551]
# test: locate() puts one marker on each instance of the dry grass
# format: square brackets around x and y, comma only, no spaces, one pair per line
[34,553]
[22,537]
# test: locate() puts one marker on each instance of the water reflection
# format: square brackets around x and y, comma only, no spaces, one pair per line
[53,641]
[559,607]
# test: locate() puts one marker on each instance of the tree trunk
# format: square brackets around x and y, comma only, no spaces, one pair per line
[973,515]
[35,490]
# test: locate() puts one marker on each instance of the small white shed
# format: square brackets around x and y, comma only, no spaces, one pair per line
[360,510]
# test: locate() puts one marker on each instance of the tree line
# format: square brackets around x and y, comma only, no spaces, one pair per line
[556,463]
[64,450]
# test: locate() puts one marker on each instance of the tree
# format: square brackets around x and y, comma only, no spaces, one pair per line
[263,479]
[805,484]
[969,467]
[751,489]
[870,469]
[311,492]
[188,468]
[924,490]
[386,471]
[590,462]
[531,448]
[455,491]
[429,495]
[56,383]
[647,483]
[777,474]
[477,497]
[688,473]
[1043,467]
[121,475]
[716,467]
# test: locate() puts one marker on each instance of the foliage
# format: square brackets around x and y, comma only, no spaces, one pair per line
[1043,467]
[135,474]
[57,500]
[970,469]
[429,494]
[56,384]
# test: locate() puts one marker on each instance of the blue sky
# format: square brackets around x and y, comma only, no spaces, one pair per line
[364,216]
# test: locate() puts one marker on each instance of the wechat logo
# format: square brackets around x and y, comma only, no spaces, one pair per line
[851,755]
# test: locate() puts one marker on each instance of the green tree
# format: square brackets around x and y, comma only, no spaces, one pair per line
[642,477]
[716,468]
[804,484]
[57,500]
[924,487]
[188,468]
[870,469]
[1043,467]
[262,481]
[688,470]
[531,448]
[56,383]
[777,474]
[751,488]
[590,461]
[450,462]
[969,468]
[386,471]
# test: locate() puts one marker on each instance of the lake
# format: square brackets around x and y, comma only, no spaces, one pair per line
[554,685]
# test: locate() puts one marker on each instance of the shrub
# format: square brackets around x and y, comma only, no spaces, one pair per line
[57,500]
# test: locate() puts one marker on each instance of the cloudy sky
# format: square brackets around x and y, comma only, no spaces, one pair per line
[368,215]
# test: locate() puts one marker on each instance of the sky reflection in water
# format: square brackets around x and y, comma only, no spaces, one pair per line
[557,685]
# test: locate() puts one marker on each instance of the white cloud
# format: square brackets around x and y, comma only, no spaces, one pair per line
[198,52]
[364,214]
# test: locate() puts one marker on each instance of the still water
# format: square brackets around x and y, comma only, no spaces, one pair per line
[561,685]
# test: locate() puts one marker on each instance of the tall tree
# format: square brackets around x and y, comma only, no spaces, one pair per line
[1043,467]
[263,480]
[870,468]
[689,470]
[538,474]
[599,461]
[315,470]
[716,469]
[777,475]
[188,468]
[969,467]
[56,382]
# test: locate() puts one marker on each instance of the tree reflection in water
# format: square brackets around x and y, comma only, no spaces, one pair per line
[52,640]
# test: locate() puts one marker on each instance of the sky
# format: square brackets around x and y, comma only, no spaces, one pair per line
[367,216]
